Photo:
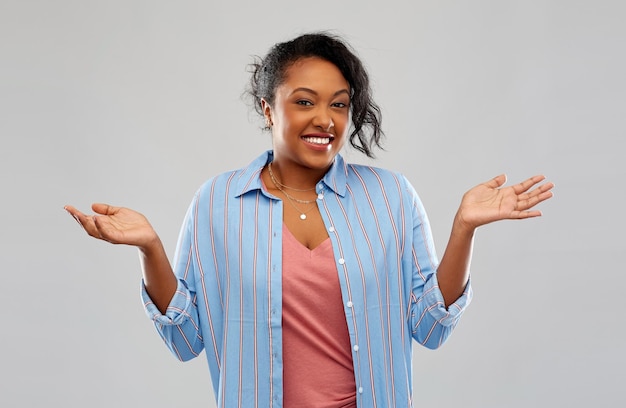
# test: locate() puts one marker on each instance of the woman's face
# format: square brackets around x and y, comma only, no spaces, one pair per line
[310,116]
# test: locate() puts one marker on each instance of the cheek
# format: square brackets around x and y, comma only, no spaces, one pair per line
[293,120]
[343,124]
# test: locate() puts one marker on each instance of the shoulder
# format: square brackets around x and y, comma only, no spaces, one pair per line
[376,177]
[234,183]
[375,182]
[219,182]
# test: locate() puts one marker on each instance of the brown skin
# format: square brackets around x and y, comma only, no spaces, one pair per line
[313,101]
[119,225]
[483,204]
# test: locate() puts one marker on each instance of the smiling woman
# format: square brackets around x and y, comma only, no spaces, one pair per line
[271,71]
[303,277]
[309,120]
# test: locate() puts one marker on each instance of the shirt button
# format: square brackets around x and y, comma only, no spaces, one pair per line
[320,196]
[356,347]
[342,261]
[331,229]
[360,390]
[320,186]
[349,303]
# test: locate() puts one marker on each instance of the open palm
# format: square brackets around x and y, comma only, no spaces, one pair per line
[117,225]
[489,201]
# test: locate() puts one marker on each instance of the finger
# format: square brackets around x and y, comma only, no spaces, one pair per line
[544,196]
[528,183]
[94,225]
[73,211]
[104,209]
[520,215]
[104,230]
[533,201]
[75,214]
[496,182]
[540,190]
[85,221]
[534,197]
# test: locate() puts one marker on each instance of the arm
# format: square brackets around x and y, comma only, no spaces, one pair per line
[431,320]
[119,225]
[483,204]
[169,301]
[158,276]
[453,271]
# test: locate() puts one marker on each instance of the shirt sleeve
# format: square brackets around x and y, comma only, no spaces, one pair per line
[177,311]
[431,322]
[179,327]
[433,296]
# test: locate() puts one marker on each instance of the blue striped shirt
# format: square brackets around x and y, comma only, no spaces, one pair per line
[228,300]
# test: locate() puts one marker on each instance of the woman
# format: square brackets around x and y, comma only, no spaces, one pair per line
[303,277]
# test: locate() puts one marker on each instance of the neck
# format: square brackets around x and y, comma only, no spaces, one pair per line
[296,177]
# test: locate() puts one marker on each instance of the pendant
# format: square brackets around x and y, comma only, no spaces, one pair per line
[303,216]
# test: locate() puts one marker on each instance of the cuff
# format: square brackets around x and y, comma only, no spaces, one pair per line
[433,296]
[178,309]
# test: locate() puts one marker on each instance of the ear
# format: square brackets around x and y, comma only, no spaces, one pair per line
[267,113]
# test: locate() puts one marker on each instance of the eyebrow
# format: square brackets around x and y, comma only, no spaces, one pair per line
[303,89]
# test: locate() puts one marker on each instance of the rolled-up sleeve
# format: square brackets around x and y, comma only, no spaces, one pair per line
[179,327]
[431,321]
[433,297]
[178,310]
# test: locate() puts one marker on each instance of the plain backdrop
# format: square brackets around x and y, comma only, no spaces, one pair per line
[136,103]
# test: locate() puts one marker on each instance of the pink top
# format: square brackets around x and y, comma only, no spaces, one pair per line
[317,357]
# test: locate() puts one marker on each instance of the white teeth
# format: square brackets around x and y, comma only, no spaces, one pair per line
[317,140]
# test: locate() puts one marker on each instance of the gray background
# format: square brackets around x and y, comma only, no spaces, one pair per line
[136,103]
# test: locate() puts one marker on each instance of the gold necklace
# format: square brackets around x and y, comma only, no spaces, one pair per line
[269,168]
[292,199]
[279,186]
[302,213]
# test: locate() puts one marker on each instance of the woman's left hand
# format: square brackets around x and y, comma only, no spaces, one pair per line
[489,201]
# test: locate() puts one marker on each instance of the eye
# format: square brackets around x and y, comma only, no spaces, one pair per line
[340,105]
[304,102]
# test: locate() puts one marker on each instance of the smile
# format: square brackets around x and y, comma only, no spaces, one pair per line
[317,140]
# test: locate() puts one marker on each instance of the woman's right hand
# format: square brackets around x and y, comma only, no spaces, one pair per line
[117,225]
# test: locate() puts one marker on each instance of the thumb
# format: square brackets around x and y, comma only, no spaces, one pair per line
[104,209]
[497,181]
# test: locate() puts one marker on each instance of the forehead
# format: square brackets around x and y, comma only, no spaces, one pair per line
[314,73]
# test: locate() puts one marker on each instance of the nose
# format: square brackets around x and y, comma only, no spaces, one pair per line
[324,120]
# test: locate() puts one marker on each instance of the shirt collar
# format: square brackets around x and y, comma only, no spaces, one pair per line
[334,179]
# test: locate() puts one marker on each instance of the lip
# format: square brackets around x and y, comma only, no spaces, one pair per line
[321,135]
[316,146]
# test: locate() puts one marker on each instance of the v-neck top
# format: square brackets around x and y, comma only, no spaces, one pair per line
[317,364]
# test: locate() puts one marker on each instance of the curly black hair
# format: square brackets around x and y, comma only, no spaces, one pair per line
[268,73]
